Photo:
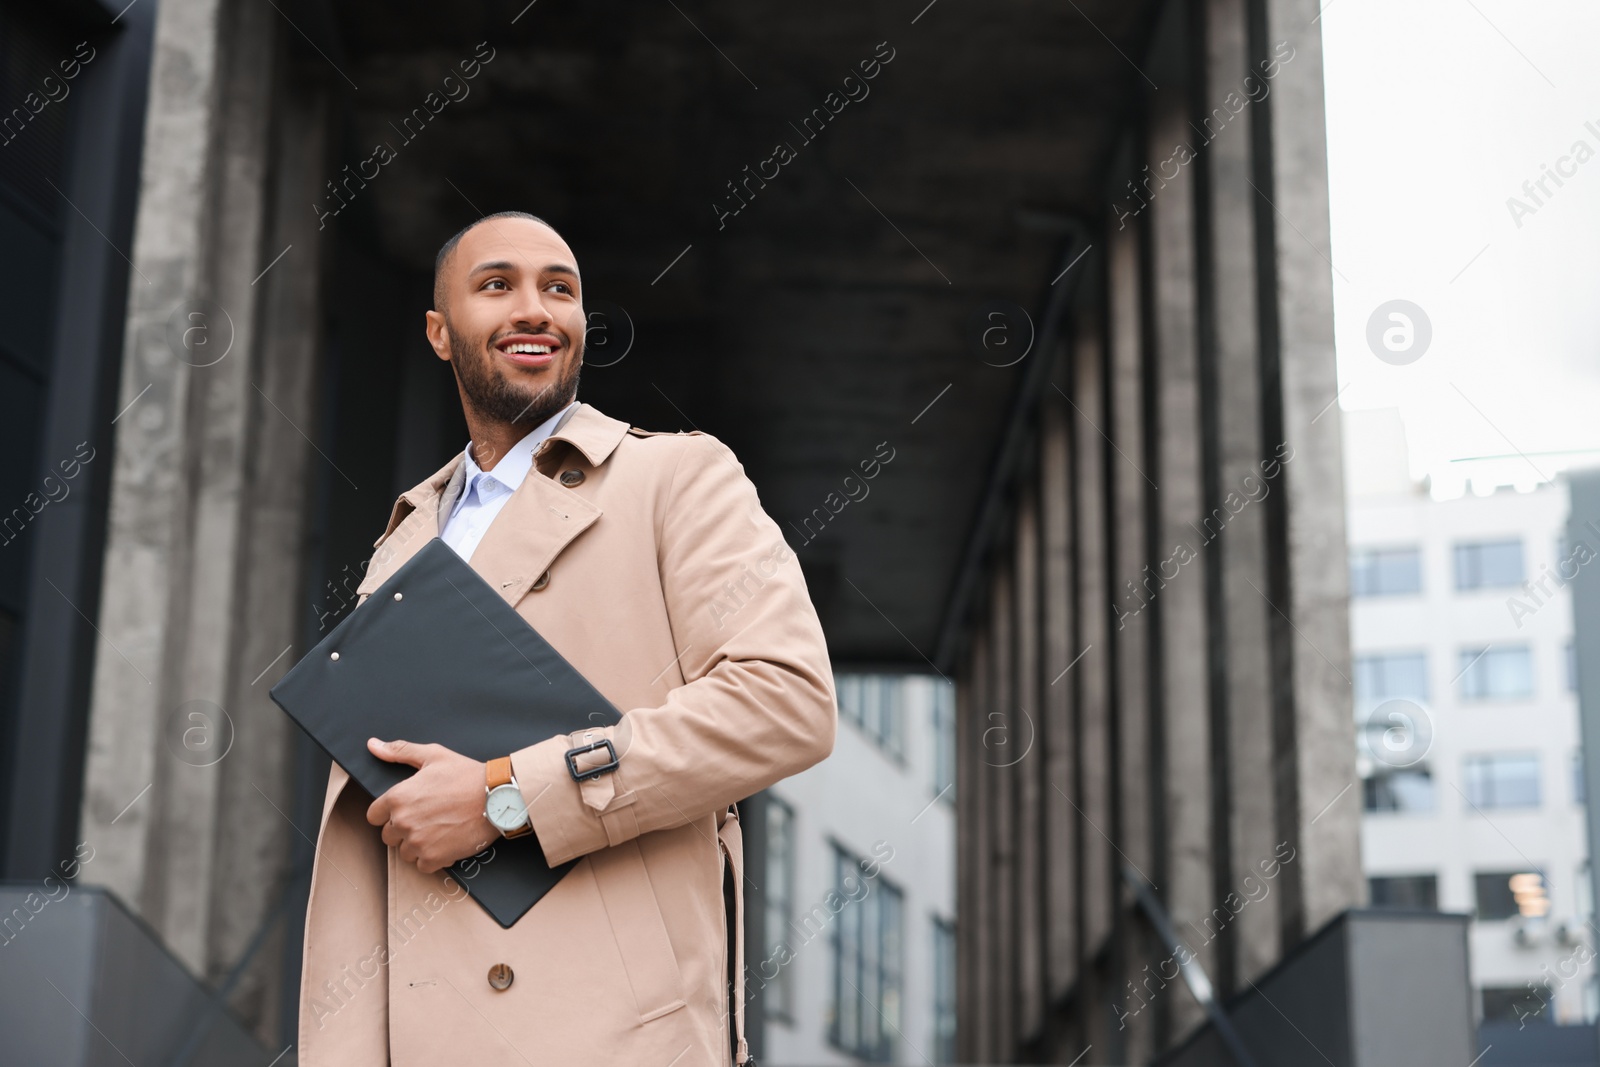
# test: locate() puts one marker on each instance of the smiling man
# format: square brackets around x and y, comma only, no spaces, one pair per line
[612,542]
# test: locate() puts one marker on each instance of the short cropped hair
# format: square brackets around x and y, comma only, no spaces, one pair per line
[446,250]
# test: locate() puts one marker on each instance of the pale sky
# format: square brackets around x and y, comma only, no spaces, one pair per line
[1438,112]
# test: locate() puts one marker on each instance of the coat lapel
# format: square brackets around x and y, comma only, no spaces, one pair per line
[539,520]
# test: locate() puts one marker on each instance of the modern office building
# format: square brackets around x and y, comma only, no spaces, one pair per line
[1466,710]
[860,886]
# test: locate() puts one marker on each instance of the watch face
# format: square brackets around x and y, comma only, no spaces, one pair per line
[506,808]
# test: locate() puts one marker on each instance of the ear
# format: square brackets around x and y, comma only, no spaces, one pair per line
[438,335]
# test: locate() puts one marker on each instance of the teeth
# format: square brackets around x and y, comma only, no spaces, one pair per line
[530,349]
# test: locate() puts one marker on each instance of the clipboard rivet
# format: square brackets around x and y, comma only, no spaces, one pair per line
[334,656]
[399,596]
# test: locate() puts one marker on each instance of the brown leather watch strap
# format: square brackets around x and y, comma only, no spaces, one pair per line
[499,771]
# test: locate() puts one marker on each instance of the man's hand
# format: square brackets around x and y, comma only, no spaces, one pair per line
[435,817]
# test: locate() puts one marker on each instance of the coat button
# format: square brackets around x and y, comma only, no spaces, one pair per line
[501,976]
[544,580]
[571,477]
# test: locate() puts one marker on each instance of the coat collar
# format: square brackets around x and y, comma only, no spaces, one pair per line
[584,426]
[539,520]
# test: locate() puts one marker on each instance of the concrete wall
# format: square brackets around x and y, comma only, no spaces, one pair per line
[1160,592]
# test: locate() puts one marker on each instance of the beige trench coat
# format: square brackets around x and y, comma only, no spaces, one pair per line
[654,570]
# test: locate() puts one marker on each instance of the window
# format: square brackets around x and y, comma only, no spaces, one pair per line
[1385,571]
[944,991]
[1407,790]
[779,887]
[1503,780]
[866,962]
[876,704]
[1496,673]
[1516,1004]
[1506,894]
[1488,564]
[944,739]
[1384,676]
[1404,891]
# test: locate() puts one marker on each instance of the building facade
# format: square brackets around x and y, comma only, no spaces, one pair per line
[860,885]
[1467,718]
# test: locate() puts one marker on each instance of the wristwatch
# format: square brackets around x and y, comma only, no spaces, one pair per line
[504,806]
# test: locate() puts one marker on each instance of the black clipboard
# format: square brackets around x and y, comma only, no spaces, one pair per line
[435,654]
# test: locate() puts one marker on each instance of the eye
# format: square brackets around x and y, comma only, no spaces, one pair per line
[501,282]
[562,286]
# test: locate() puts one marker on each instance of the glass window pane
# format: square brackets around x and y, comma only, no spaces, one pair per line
[1488,564]
[1496,673]
[1503,780]
[1385,571]
[1384,676]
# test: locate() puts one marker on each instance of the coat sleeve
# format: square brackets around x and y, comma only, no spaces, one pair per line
[758,700]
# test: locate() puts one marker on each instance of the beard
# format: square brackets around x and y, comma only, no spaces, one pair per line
[496,397]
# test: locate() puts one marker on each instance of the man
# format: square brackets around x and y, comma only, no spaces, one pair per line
[647,561]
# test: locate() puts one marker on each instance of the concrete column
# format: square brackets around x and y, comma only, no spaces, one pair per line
[1028,769]
[1184,877]
[1092,674]
[1237,482]
[1004,734]
[972,942]
[254,869]
[1060,647]
[1319,797]
[1129,491]
[203,547]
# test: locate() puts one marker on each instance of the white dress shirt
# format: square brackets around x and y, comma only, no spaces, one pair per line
[484,493]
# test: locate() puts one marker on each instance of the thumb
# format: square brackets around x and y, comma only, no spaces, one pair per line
[396,751]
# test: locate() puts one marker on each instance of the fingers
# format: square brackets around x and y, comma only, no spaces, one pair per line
[378,810]
[406,752]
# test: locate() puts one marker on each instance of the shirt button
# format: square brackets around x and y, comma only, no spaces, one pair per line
[501,976]
[544,580]
[571,477]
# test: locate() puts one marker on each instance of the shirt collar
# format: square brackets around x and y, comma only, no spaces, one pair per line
[514,465]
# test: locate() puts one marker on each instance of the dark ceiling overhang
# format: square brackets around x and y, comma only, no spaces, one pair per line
[824,311]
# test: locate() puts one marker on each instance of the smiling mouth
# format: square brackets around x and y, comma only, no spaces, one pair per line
[529,352]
